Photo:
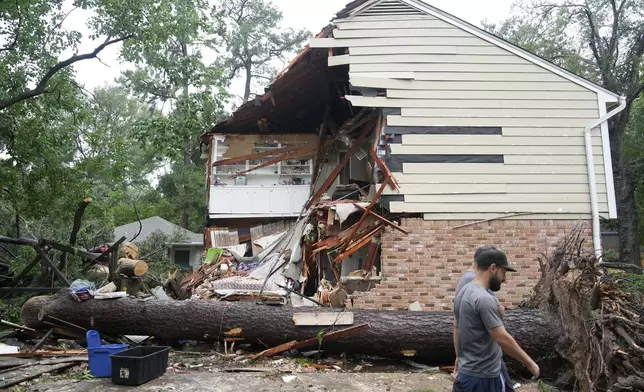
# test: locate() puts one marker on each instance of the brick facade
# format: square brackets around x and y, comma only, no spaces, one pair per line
[425,265]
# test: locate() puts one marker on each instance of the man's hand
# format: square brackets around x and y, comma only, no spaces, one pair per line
[455,372]
[534,369]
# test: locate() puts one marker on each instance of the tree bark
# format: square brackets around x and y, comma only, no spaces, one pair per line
[429,334]
[629,243]
[249,78]
[131,268]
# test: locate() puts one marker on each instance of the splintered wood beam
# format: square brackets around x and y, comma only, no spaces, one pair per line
[366,214]
[295,345]
[262,154]
[357,246]
[57,272]
[334,174]
[293,154]
[382,219]
[378,132]
[389,177]
[321,145]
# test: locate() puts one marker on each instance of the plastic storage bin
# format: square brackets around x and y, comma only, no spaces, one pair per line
[100,364]
[139,365]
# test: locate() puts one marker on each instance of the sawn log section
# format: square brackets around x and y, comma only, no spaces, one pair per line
[429,334]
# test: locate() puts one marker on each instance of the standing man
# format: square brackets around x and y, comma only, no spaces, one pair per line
[481,337]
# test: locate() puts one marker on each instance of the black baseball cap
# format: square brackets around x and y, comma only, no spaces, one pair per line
[482,249]
[494,256]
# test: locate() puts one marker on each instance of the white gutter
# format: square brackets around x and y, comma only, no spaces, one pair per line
[590,162]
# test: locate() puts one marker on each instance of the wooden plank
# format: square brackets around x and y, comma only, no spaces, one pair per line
[323,318]
[43,353]
[57,272]
[42,340]
[263,154]
[293,154]
[382,219]
[295,345]
[470,216]
[16,326]
[495,150]
[20,376]
[379,24]
[357,226]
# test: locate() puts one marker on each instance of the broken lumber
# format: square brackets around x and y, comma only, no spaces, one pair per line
[129,267]
[428,334]
[319,338]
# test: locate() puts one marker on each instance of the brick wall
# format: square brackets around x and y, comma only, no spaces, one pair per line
[425,265]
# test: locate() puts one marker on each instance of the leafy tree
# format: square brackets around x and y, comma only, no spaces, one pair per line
[609,37]
[254,38]
[170,70]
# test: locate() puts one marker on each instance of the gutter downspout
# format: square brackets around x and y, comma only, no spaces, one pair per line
[590,162]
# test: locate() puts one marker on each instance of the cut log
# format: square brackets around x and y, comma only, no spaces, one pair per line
[130,267]
[427,334]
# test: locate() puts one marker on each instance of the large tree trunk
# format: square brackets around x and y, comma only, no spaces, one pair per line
[629,243]
[249,78]
[429,334]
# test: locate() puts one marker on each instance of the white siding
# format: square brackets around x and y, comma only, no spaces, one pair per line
[438,74]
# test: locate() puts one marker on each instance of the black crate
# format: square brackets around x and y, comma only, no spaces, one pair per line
[139,365]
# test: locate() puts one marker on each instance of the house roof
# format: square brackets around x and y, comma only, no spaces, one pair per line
[156,223]
[358,6]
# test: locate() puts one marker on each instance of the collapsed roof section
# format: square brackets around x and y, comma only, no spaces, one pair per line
[297,99]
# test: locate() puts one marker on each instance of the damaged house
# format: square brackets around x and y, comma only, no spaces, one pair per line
[400,140]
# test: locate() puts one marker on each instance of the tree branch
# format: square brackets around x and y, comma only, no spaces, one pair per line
[12,45]
[136,212]
[41,88]
[78,218]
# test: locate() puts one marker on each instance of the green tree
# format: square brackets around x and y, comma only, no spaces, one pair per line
[603,40]
[171,73]
[254,38]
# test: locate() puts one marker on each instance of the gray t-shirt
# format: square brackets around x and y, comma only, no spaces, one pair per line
[476,311]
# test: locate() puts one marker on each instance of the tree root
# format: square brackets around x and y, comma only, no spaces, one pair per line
[602,323]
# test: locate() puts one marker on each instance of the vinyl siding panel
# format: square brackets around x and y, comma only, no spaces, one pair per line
[476,189]
[493,168]
[465,76]
[506,198]
[438,75]
[500,208]
[479,216]
[560,104]
[491,94]
[444,49]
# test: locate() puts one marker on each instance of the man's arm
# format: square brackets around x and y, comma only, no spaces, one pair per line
[510,346]
[455,338]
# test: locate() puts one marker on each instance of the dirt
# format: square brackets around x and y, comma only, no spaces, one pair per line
[274,381]
[233,373]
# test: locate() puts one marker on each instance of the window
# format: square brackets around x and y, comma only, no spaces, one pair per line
[182,258]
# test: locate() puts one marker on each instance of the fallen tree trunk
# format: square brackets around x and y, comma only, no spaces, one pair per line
[427,334]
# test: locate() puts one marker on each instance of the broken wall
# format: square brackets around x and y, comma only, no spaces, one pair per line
[425,265]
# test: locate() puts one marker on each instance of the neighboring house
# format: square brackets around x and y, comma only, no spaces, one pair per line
[185,248]
[486,140]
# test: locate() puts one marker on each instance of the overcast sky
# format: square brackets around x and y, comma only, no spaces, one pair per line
[308,14]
